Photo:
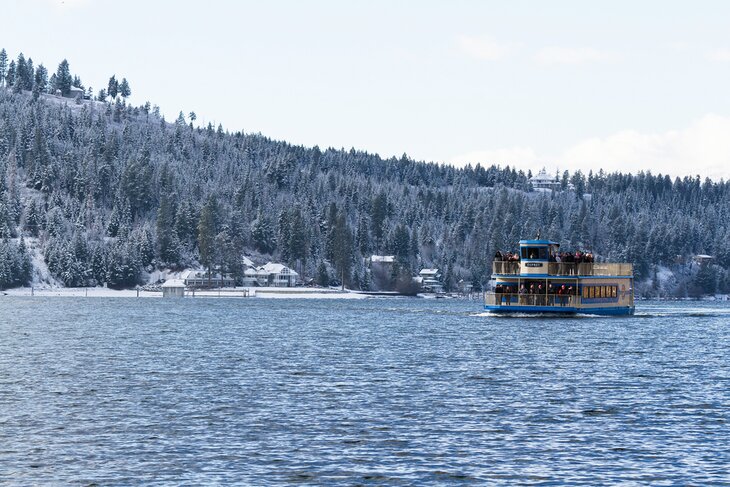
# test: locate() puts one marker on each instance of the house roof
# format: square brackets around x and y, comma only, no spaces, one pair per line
[201,274]
[188,274]
[255,272]
[542,176]
[275,268]
[429,272]
[386,259]
[173,283]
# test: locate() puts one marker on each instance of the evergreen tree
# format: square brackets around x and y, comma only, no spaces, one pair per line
[21,73]
[112,87]
[401,244]
[10,75]
[28,75]
[167,240]
[41,78]
[3,65]
[342,252]
[378,213]
[124,89]
[298,242]
[207,229]
[262,234]
[323,278]
[63,78]
[52,83]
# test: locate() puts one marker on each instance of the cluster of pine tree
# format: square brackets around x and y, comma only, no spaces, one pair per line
[110,190]
[20,75]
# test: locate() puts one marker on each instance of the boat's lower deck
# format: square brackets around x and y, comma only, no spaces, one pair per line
[610,295]
[571,310]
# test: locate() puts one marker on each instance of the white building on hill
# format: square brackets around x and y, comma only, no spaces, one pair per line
[543,182]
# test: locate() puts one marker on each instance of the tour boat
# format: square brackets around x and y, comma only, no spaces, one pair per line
[536,280]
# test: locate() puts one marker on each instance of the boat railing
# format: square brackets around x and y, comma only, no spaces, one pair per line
[506,267]
[513,299]
[590,269]
[569,269]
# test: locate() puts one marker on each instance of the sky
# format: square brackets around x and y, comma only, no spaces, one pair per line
[566,85]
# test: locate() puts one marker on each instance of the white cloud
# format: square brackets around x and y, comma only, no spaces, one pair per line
[702,148]
[719,55]
[571,55]
[484,48]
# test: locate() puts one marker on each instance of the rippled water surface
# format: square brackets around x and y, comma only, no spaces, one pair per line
[382,391]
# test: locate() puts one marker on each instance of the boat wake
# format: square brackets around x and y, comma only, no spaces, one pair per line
[543,316]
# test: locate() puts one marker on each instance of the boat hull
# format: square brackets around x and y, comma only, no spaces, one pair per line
[569,310]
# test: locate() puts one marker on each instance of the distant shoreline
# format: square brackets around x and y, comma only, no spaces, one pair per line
[260,292]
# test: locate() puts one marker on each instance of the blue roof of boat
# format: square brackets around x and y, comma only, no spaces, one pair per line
[538,242]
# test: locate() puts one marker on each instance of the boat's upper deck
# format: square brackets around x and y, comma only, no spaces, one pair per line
[501,268]
[540,258]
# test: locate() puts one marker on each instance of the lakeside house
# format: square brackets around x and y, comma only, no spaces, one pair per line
[431,280]
[270,274]
[199,279]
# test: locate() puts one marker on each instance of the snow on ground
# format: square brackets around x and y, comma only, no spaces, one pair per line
[42,277]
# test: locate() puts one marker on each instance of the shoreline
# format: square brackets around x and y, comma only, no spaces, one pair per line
[224,293]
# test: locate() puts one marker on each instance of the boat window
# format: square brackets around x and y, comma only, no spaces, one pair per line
[585,291]
[614,291]
[536,253]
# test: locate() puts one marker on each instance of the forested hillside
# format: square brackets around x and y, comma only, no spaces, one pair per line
[107,191]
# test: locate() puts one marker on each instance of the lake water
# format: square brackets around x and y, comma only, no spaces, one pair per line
[379,391]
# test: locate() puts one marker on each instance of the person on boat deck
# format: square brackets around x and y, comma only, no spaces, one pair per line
[561,293]
[523,290]
[498,256]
